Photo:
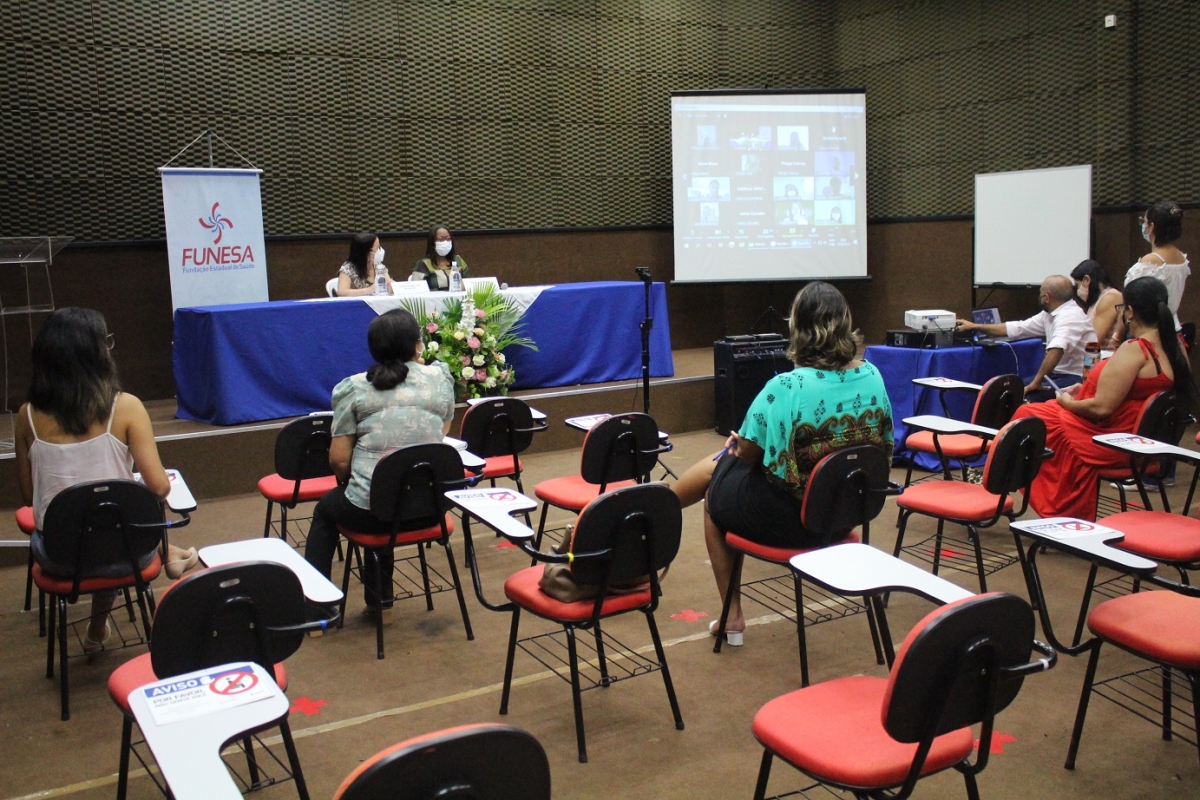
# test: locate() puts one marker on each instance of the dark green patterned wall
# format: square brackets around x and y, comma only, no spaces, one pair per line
[369,114]
[958,87]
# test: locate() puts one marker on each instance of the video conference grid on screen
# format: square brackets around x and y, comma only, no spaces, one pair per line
[769,186]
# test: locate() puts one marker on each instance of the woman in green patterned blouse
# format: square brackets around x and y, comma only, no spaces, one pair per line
[755,485]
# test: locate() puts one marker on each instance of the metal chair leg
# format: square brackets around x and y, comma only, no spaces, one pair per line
[425,577]
[462,603]
[601,660]
[508,663]
[267,524]
[29,582]
[251,761]
[123,768]
[973,535]
[661,655]
[800,635]
[735,583]
[1081,713]
[576,693]
[64,686]
[1083,608]
[293,759]
[764,775]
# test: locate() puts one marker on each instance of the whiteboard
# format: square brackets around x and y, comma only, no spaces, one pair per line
[1031,224]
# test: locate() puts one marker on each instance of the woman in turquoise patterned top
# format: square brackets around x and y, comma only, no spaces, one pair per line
[832,399]
[400,401]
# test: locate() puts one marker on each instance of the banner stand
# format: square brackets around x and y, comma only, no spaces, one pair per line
[216,251]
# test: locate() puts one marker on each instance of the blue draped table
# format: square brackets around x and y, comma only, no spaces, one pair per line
[257,361]
[899,365]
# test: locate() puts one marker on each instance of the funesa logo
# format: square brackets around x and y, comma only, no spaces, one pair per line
[216,223]
[205,259]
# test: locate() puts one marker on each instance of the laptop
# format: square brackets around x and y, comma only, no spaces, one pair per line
[987,316]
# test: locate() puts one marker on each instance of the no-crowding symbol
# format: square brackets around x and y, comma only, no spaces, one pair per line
[1077,526]
[235,682]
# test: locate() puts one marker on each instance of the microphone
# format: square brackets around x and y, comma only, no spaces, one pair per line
[643,273]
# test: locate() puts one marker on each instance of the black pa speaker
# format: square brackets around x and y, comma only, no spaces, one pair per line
[742,365]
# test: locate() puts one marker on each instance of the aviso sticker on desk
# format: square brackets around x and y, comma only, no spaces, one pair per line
[198,695]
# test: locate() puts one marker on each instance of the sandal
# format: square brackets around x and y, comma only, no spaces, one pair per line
[175,569]
[91,646]
[733,638]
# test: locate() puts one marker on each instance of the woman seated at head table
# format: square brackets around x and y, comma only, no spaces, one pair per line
[440,257]
[1162,225]
[1099,299]
[400,401]
[1108,401]
[755,486]
[356,276]
[78,426]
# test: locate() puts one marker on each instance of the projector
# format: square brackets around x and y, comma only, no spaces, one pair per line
[934,319]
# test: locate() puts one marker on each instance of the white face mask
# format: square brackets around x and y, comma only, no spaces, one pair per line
[443,248]
[1145,235]
[379,256]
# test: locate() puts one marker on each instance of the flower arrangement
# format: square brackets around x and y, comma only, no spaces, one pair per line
[468,335]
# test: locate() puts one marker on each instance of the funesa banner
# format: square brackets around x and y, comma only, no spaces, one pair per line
[215,244]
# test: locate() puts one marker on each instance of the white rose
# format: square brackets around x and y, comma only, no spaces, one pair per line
[490,383]
[478,361]
[499,358]
[468,372]
[432,347]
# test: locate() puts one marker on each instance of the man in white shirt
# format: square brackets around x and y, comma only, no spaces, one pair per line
[1065,327]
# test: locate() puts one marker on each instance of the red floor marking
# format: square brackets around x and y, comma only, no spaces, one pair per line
[307,707]
[946,552]
[688,615]
[504,544]
[998,741]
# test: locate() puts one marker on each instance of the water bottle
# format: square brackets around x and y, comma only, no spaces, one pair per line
[381,279]
[455,279]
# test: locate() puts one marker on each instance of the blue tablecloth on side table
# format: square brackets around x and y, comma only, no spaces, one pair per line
[899,365]
[257,361]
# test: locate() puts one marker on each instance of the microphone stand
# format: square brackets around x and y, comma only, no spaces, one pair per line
[646,326]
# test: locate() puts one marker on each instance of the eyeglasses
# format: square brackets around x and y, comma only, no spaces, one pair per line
[109,341]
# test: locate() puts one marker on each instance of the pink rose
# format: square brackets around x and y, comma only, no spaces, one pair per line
[473,343]
[480,313]
[481,374]
[432,327]
[466,360]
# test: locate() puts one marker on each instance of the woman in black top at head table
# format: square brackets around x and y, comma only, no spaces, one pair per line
[440,257]
[357,273]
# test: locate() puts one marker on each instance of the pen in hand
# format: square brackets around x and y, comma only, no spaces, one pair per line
[728,448]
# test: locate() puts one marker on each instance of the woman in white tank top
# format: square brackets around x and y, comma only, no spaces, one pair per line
[1162,226]
[77,427]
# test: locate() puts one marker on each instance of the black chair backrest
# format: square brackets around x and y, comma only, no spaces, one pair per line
[621,448]
[1162,418]
[302,448]
[640,524]
[845,490]
[1187,331]
[941,678]
[1016,456]
[225,614]
[408,486]
[499,426]
[102,522]
[481,762]
[998,400]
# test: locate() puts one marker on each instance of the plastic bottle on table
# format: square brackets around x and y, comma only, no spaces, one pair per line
[1091,355]
[456,284]
[381,275]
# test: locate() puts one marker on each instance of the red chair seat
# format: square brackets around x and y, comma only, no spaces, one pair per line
[25,522]
[834,731]
[1163,626]
[1159,535]
[572,492]
[54,584]
[777,555]
[952,499]
[279,490]
[430,534]
[498,467]
[522,588]
[957,445]
[138,672]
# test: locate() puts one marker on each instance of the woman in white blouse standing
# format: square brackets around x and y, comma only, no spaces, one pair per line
[1162,225]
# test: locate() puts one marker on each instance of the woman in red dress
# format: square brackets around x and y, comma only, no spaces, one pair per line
[1109,401]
